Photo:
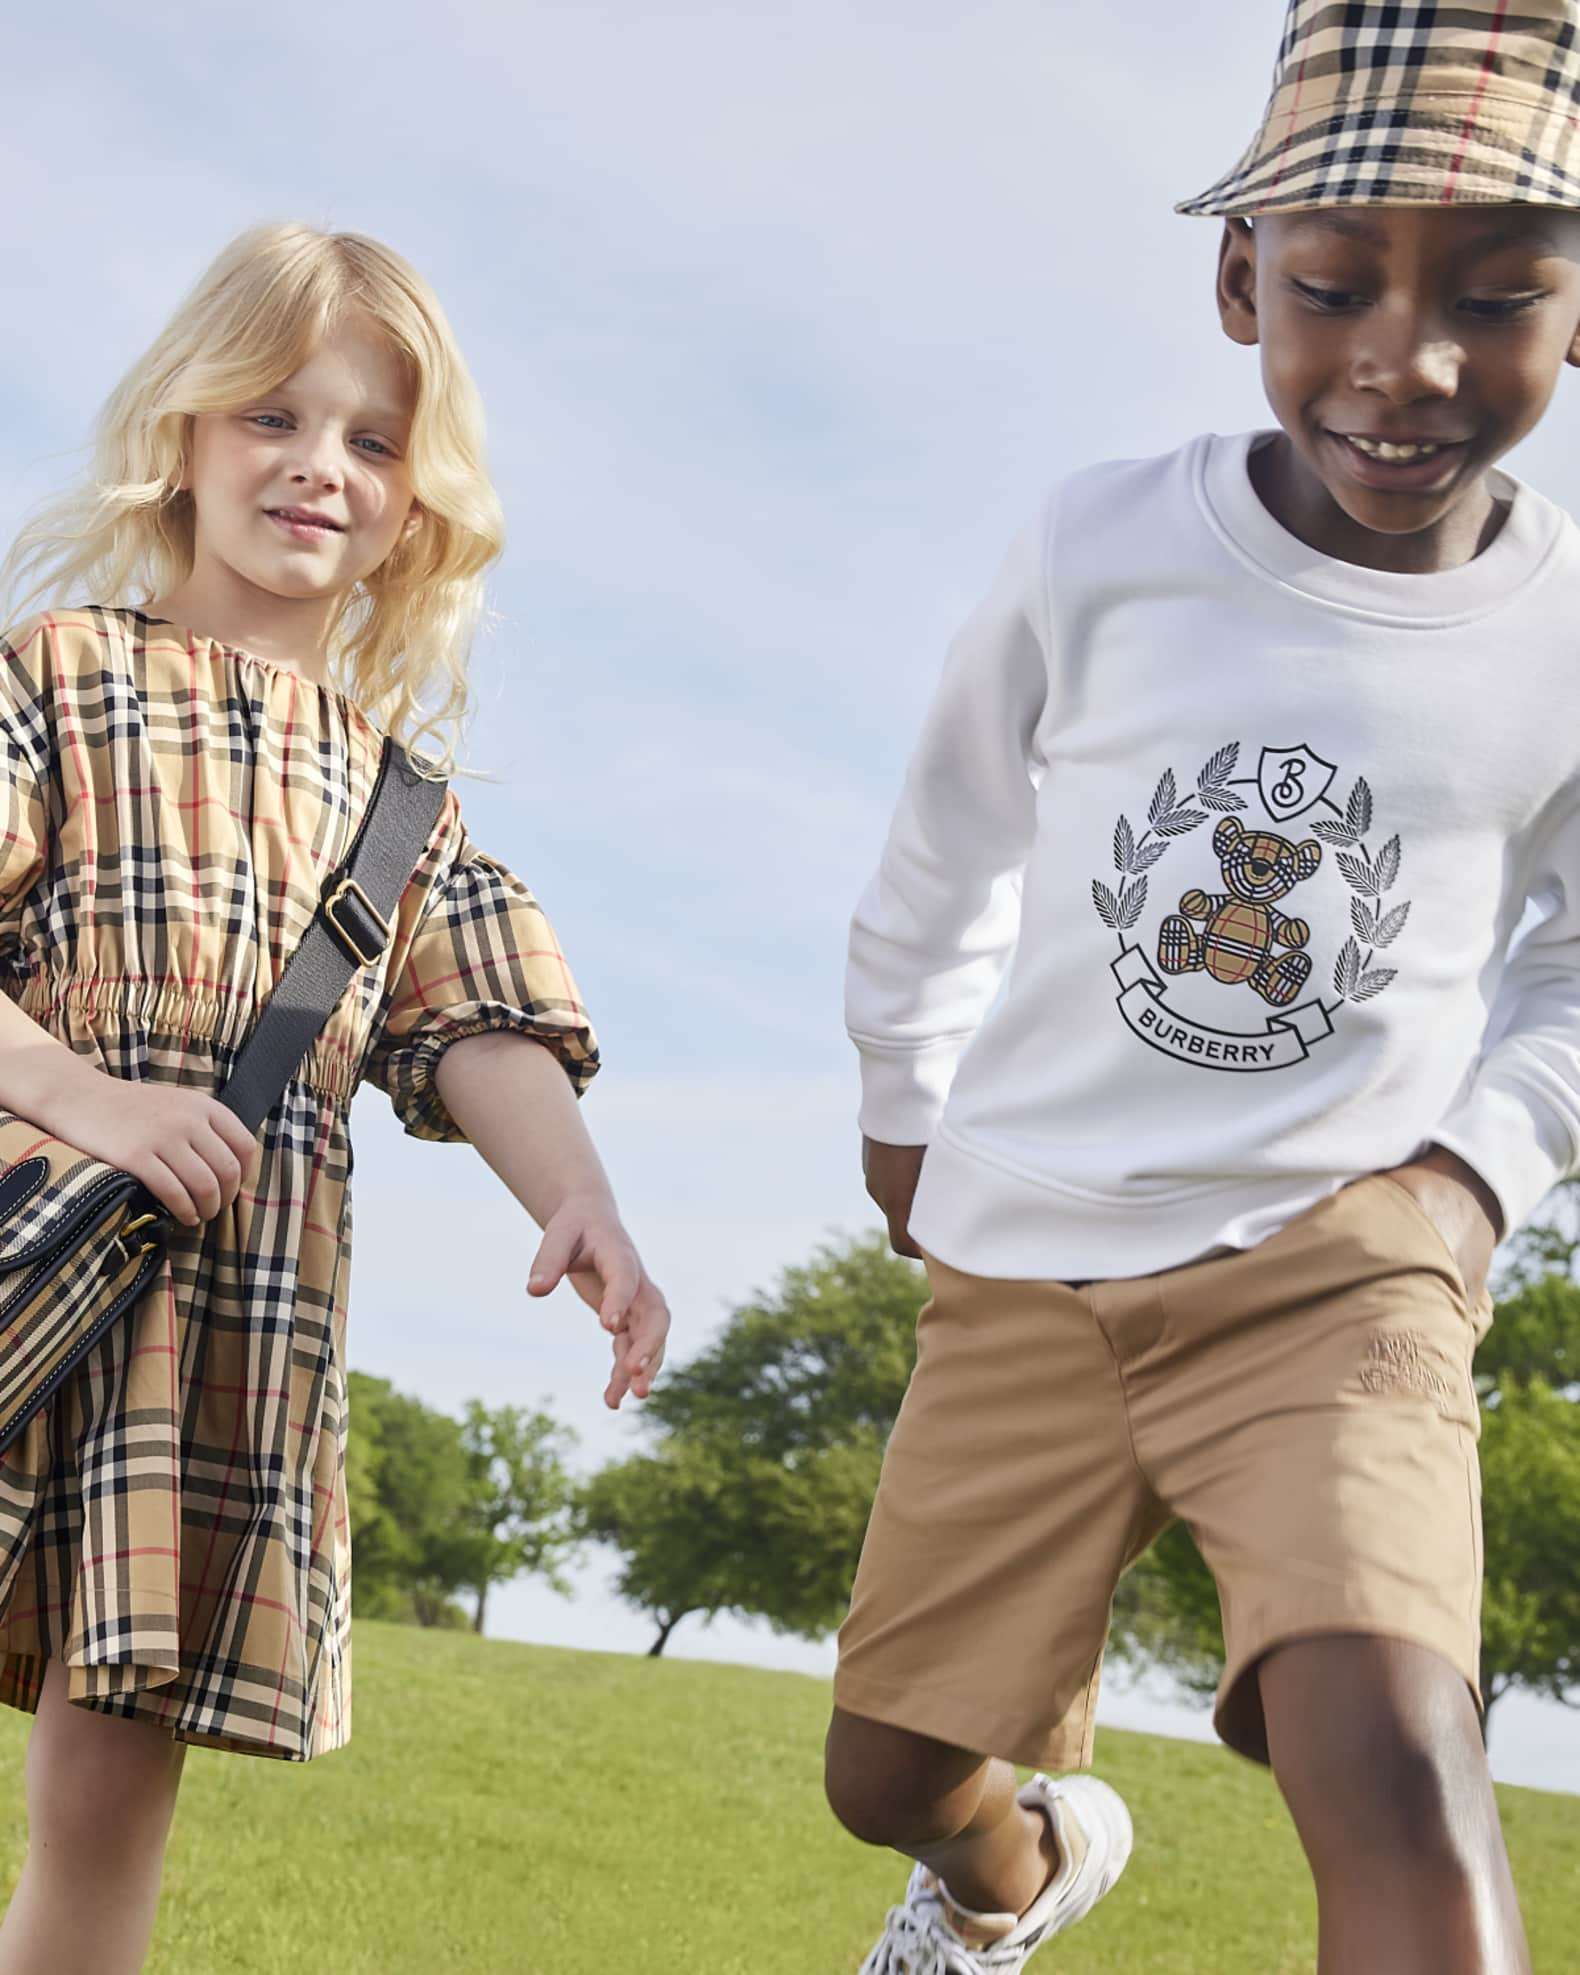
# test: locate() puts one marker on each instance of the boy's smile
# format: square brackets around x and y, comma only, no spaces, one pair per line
[1405,349]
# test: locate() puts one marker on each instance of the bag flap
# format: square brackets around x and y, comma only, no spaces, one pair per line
[50,1192]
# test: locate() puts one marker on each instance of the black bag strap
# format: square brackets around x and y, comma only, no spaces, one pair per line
[349,930]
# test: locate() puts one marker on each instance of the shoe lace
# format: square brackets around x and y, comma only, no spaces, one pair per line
[908,1947]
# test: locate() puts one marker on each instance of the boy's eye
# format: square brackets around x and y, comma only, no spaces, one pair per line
[1329,299]
[1499,308]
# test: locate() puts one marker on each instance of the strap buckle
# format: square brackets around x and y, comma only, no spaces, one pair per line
[361,929]
[134,1227]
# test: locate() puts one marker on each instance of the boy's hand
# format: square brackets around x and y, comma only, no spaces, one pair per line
[1463,1206]
[891,1173]
[586,1242]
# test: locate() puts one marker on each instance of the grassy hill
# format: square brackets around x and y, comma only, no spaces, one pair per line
[514,1810]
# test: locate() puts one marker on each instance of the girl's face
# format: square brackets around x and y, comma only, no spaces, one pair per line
[330,441]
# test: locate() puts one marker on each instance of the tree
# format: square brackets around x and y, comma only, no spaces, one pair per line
[407,1484]
[520,1499]
[439,1505]
[755,1497]
[1530,1485]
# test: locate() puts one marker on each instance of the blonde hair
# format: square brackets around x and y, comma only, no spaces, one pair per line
[252,320]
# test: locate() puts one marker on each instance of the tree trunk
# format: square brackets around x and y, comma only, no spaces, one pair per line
[477,1616]
[665,1627]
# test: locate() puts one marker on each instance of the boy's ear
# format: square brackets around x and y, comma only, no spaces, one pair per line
[1237,283]
[1574,350]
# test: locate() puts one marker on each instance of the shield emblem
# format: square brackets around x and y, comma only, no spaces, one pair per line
[1292,779]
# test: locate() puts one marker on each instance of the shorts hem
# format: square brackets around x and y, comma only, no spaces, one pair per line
[1253,1744]
[965,1724]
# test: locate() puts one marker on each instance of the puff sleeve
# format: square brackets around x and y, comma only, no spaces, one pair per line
[25,754]
[479,956]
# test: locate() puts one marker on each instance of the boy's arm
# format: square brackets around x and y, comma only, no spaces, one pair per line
[935,928]
[1516,1122]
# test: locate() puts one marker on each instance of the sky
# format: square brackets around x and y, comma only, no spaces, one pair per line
[783,320]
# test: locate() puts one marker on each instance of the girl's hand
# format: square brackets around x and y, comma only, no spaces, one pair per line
[891,1173]
[191,1151]
[586,1242]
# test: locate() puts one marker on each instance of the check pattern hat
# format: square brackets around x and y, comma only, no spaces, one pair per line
[1394,104]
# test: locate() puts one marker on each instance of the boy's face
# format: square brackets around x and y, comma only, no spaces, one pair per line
[1441,330]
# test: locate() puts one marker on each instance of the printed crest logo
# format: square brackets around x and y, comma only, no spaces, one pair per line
[1199,989]
[1293,780]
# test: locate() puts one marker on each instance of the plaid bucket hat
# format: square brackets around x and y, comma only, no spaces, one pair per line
[1408,105]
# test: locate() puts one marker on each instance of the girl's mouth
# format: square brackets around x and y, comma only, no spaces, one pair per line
[304,531]
[1411,466]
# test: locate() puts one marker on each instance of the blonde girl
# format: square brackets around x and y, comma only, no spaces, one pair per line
[279,560]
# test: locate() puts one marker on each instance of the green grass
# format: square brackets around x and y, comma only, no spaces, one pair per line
[513,1810]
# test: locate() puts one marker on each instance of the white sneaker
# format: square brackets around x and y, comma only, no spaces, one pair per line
[932,1935]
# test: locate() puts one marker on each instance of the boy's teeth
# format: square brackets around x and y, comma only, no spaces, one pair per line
[1380,449]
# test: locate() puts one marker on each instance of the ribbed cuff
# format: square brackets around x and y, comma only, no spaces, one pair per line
[903,1090]
[1519,1147]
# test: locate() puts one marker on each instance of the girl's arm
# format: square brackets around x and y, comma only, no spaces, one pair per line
[191,1151]
[513,1100]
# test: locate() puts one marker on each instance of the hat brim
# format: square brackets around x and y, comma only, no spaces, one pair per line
[1452,152]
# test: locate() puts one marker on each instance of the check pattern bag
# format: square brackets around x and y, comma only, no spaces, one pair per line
[1395,104]
[79,1243]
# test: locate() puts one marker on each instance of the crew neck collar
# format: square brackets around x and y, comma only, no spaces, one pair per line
[1516,556]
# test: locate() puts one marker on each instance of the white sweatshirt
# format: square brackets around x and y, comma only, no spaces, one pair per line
[1199,898]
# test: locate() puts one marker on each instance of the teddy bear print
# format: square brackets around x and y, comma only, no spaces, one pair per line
[1241,927]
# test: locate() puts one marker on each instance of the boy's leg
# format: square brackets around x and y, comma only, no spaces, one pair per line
[1308,1408]
[945,1807]
[101,1792]
[1010,1502]
[1377,1749]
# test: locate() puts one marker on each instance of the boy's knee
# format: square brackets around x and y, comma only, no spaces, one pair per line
[888,1787]
[1378,1752]
[1382,1786]
[1400,1792]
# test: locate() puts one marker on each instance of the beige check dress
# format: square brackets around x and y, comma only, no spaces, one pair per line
[174,1525]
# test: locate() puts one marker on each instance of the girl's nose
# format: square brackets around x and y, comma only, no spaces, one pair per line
[316,459]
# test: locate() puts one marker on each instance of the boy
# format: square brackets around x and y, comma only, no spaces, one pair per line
[1252,758]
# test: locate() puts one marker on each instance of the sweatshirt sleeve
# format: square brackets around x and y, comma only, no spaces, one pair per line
[1517,1118]
[935,927]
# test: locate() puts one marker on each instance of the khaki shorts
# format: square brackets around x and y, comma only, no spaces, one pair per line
[1305,1406]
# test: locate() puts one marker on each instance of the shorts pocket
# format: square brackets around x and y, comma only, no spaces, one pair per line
[1434,1233]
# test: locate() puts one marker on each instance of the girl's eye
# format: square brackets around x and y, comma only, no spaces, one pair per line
[1329,299]
[1499,308]
[260,418]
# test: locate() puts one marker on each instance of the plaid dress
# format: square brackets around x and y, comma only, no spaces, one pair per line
[174,1525]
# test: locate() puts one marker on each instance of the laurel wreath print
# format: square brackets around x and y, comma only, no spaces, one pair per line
[1167,818]
[1354,976]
